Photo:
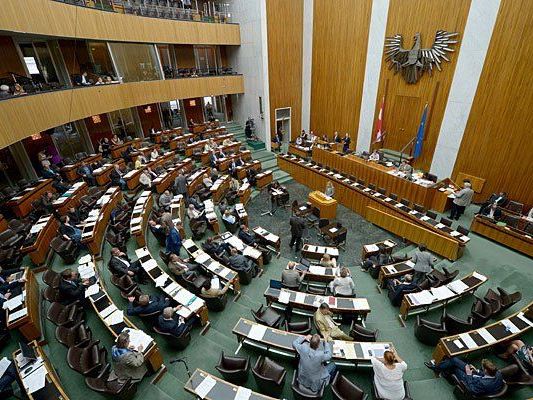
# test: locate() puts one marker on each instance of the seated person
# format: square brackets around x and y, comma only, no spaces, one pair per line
[208,183]
[251,175]
[291,277]
[406,168]
[86,173]
[147,304]
[128,361]
[116,177]
[343,285]
[181,268]
[326,326]
[483,382]
[314,368]
[215,248]
[71,287]
[500,199]
[165,200]
[523,352]
[9,376]
[145,179]
[194,214]
[299,141]
[170,322]
[11,287]
[47,202]
[328,262]
[375,156]
[69,231]
[238,262]
[491,211]
[75,216]
[246,236]
[213,159]
[228,217]
[388,375]
[57,183]
[120,264]
[399,286]
[140,161]
[154,154]
[211,292]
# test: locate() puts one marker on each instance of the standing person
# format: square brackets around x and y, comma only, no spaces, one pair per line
[330,190]
[180,185]
[314,368]
[423,263]
[388,375]
[462,199]
[346,145]
[173,240]
[105,148]
[128,361]
[297,230]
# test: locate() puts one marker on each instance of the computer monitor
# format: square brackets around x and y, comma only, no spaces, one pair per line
[27,351]
[275,284]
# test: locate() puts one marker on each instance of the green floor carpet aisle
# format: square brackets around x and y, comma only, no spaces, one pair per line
[504,267]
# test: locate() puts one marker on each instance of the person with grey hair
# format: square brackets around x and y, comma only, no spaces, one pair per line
[462,199]
[128,361]
[314,368]
[4,92]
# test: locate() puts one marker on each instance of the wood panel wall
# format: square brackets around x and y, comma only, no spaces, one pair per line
[404,103]
[340,41]
[285,48]
[185,56]
[9,58]
[497,143]
[52,18]
[149,119]
[26,115]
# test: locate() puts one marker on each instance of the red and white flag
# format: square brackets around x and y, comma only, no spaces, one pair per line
[379,123]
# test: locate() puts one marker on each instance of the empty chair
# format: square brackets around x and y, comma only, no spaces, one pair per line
[234,369]
[429,332]
[431,214]
[343,389]
[372,186]
[405,202]
[9,238]
[177,342]
[456,325]
[419,208]
[361,182]
[302,393]
[481,312]
[320,290]
[51,294]
[446,221]
[101,384]
[125,283]
[362,334]
[513,206]
[267,316]
[88,360]
[462,230]
[299,327]
[52,278]
[76,335]
[508,299]
[64,315]
[269,376]
[66,249]
[20,227]
[10,258]
[323,222]
[511,220]
[382,191]
[494,299]
[393,196]
[442,278]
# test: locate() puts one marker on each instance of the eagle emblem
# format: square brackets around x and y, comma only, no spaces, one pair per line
[414,62]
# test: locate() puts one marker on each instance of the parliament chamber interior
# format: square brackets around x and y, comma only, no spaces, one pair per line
[266,199]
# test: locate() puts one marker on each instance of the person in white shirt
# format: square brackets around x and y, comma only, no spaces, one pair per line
[330,189]
[343,285]
[529,216]
[207,182]
[145,179]
[328,261]
[229,217]
[374,156]
[299,141]
[154,154]
[388,375]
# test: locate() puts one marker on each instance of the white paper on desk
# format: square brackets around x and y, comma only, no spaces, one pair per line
[35,229]
[203,389]
[366,190]
[257,332]
[215,282]
[455,233]
[17,314]
[439,226]
[12,304]
[149,265]
[236,242]
[468,341]
[271,237]
[389,243]
[93,289]
[171,288]
[387,199]
[202,258]
[509,326]
[333,230]
[392,270]
[409,263]
[458,344]
[421,298]
[487,336]
[398,205]
[135,221]
[251,252]
[360,304]
[142,252]
[107,311]
[479,276]
[317,270]
[425,218]
[371,247]
[243,393]
[349,351]
[196,304]
[183,296]
[184,312]
[302,208]
[36,380]
[4,365]
[85,259]
[464,238]
[116,317]
[332,251]
[457,286]
[442,293]
[300,297]
[284,297]
[139,338]
[524,318]
[160,280]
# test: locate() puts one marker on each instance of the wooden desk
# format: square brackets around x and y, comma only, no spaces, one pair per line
[29,324]
[310,302]
[332,231]
[262,179]
[220,188]
[442,201]
[52,390]
[166,179]
[195,180]
[132,177]
[300,151]
[212,266]
[267,238]
[516,240]
[3,223]
[241,213]
[485,337]
[223,164]
[116,151]
[315,252]
[252,253]
[177,207]
[327,207]
[211,216]
[438,244]
[191,305]
[70,171]
[221,391]
[228,149]
[102,174]
[139,217]
[71,198]
[199,145]
[317,273]
[41,234]
[440,296]
[374,249]
[146,151]
[104,307]
[395,270]
[242,171]
[278,342]
[244,193]
[179,142]
[94,229]
[21,204]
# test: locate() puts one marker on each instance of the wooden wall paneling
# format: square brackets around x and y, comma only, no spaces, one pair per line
[497,143]
[340,40]
[285,41]
[193,109]
[404,103]
[149,118]
[9,58]
[52,18]
[185,56]
[26,115]
[98,128]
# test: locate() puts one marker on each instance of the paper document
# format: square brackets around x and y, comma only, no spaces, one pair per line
[243,393]
[184,312]
[421,298]
[203,389]
[468,341]
[371,248]
[457,286]
[17,314]
[257,332]
[333,230]
[196,304]
[487,336]
[85,259]
[160,280]
[4,364]
[93,289]
[300,297]
[458,344]
[360,304]
[183,296]
[455,233]
[389,243]
[439,226]
[349,351]
[12,303]
[202,258]
[149,265]
[36,380]
[171,288]
[524,318]
[479,276]
[139,338]
[284,297]
[442,293]
[108,310]
[116,317]
[409,263]
[509,326]
[317,270]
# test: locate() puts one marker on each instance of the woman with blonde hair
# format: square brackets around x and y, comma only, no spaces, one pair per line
[343,284]
[330,190]
[328,262]
[388,375]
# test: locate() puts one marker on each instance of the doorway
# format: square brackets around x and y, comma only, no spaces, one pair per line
[283,124]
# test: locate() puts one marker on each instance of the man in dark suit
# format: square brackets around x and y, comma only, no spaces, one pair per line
[487,381]
[86,173]
[491,211]
[297,230]
[116,177]
[398,287]
[500,199]
[238,262]
[215,248]
[169,322]
[71,288]
[147,304]
[180,185]
[58,184]
[120,264]
[346,145]
[246,236]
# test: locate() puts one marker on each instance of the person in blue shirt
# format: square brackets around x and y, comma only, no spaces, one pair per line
[314,371]
[173,239]
[478,382]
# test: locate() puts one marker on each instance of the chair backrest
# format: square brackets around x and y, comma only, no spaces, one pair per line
[405,202]
[446,221]
[431,214]
[393,196]
[463,230]
[515,207]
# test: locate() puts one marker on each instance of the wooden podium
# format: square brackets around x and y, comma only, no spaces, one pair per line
[327,207]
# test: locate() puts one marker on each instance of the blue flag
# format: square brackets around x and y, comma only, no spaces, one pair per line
[420,133]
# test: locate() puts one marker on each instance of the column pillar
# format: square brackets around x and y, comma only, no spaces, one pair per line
[23,161]
[266,85]
[307,61]
[82,130]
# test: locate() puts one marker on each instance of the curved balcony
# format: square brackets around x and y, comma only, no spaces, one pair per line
[51,18]
[23,116]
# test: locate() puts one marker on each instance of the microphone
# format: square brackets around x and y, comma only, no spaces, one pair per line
[184,359]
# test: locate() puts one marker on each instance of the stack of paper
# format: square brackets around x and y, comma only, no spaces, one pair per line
[371,248]
[468,341]
[203,389]
[243,393]
[317,270]
[389,243]
[479,276]
[442,293]
[116,317]
[17,314]
[139,338]
[257,332]
[284,297]
[421,298]
[457,286]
